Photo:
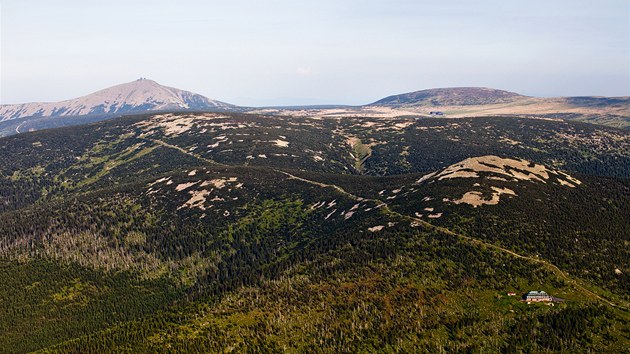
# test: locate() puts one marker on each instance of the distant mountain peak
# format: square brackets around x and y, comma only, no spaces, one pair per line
[140,95]
[450,96]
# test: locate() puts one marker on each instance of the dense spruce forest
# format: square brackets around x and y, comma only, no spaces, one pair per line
[208,232]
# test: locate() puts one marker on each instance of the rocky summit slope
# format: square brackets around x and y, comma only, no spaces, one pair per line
[496,169]
[137,96]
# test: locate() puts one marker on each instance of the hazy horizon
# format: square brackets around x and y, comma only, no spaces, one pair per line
[298,53]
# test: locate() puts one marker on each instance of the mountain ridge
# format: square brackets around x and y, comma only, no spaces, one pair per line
[257,232]
[137,96]
[450,96]
[146,96]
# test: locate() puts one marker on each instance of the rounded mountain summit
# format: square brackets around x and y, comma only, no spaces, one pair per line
[452,96]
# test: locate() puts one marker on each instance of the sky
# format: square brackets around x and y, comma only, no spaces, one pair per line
[291,52]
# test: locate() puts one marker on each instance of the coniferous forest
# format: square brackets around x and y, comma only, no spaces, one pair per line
[212,232]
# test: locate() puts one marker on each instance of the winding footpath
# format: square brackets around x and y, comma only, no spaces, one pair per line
[184,151]
[387,210]
[17,129]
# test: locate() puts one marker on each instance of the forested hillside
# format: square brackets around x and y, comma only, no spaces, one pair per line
[207,232]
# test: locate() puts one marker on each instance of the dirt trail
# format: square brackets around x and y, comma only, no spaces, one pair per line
[183,151]
[385,207]
[387,210]
[17,129]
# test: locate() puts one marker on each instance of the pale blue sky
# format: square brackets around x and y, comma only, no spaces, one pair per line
[310,52]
